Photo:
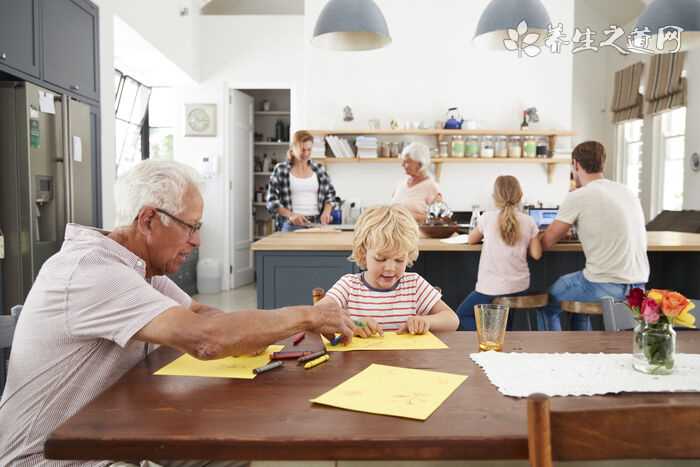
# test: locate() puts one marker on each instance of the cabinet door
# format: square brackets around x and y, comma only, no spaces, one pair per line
[70,43]
[19,35]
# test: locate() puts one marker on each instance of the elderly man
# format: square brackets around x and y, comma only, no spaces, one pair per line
[98,302]
[611,228]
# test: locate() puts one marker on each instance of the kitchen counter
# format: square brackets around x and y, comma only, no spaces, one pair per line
[342,241]
[289,265]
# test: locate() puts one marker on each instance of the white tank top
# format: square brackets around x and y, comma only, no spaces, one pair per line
[304,195]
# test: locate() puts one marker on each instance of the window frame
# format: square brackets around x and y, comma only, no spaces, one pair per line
[659,160]
[623,154]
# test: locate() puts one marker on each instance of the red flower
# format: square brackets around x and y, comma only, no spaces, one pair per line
[635,297]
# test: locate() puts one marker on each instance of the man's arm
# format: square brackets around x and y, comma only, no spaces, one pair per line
[555,232]
[218,335]
[204,310]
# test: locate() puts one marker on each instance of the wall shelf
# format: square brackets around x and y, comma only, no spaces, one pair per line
[272,143]
[262,173]
[272,113]
[434,132]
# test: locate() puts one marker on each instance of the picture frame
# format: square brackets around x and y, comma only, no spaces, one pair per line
[200,120]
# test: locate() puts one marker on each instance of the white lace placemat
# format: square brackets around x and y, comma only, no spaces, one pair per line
[570,374]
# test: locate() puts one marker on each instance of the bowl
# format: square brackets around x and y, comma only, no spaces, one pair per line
[439,230]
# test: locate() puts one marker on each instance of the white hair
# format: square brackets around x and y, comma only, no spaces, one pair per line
[158,184]
[420,153]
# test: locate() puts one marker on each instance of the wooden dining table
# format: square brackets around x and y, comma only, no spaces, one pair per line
[144,416]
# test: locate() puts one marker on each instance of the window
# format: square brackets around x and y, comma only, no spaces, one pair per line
[630,154]
[161,123]
[670,159]
[131,102]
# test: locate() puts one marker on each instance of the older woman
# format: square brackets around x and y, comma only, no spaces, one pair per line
[418,190]
[300,190]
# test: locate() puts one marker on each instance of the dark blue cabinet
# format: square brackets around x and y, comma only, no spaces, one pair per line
[19,35]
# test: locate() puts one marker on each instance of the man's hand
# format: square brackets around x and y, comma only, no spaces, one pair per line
[367,327]
[329,319]
[298,219]
[415,325]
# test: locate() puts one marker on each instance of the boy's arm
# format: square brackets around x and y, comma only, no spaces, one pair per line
[442,317]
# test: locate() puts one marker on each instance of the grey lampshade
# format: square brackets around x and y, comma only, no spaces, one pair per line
[681,13]
[501,15]
[351,25]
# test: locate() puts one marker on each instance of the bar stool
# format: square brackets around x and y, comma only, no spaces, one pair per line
[527,303]
[582,308]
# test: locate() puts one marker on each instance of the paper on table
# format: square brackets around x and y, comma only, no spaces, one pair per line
[390,341]
[229,367]
[457,240]
[395,391]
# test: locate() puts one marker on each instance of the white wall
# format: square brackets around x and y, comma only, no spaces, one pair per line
[431,66]
[692,141]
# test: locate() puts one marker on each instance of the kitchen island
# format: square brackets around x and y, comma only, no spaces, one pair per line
[289,265]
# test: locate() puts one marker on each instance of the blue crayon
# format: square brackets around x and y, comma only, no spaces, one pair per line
[336,339]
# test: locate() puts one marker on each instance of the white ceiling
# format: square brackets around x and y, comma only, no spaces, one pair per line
[619,12]
[253,7]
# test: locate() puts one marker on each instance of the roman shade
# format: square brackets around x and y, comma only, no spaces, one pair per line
[666,89]
[627,101]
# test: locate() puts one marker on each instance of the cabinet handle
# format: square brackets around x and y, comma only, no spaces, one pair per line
[75,87]
[3,56]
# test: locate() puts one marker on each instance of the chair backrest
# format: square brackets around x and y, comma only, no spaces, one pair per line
[317,294]
[631,432]
[616,316]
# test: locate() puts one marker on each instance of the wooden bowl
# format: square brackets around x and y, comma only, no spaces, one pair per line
[439,230]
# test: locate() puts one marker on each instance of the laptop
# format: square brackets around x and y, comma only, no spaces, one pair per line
[543,217]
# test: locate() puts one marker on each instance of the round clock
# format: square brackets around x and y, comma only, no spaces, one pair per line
[198,120]
[695,162]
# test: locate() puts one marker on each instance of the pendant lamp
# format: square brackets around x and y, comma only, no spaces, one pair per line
[668,14]
[501,15]
[351,25]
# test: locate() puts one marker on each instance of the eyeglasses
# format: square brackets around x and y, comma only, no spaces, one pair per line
[192,227]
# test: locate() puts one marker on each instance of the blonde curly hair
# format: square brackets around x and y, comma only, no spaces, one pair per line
[387,229]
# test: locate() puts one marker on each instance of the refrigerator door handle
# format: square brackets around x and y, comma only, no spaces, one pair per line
[65,114]
[61,170]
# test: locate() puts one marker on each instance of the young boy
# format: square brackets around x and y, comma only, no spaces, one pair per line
[385,297]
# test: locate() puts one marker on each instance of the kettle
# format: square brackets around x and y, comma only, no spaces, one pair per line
[454,119]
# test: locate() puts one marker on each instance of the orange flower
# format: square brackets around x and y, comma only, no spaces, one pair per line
[673,303]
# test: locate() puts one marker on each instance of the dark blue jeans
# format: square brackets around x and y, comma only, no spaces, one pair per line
[465,312]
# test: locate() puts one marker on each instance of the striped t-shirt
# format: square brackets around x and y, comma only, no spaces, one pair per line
[411,295]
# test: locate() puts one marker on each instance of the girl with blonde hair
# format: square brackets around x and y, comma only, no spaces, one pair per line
[508,236]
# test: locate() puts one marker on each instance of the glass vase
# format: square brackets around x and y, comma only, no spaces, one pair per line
[654,348]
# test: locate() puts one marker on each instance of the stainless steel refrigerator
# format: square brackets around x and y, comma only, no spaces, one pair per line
[46,179]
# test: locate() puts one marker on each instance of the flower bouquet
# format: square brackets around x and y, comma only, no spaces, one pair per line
[656,312]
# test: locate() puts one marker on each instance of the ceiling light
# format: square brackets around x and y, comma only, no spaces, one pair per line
[501,15]
[667,14]
[351,25]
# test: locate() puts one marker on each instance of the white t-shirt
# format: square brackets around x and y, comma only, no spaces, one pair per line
[304,195]
[416,198]
[611,228]
[503,268]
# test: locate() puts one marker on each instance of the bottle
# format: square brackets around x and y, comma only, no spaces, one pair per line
[524,125]
[476,213]
[279,131]
[265,163]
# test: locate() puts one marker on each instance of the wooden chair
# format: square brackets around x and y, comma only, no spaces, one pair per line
[633,432]
[525,303]
[7,332]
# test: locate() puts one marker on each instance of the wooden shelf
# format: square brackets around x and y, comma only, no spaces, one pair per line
[433,132]
[273,113]
[262,173]
[272,143]
[456,160]
[255,203]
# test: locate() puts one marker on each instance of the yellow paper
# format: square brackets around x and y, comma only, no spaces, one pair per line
[390,341]
[395,391]
[229,367]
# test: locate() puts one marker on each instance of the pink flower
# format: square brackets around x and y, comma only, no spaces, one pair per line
[650,311]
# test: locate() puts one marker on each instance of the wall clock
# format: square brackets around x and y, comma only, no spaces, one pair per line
[200,119]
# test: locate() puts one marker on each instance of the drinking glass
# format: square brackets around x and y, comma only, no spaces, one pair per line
[491,323]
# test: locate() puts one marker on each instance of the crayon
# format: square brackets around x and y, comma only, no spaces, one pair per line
[298,338]
[318,361]
[287,355]
[336,339]
[268,367]
[312,356]
[359,323]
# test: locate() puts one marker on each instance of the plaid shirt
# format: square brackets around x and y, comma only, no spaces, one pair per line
[279,195]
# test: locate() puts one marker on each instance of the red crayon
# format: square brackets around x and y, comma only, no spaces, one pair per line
[287,355]
[298,338]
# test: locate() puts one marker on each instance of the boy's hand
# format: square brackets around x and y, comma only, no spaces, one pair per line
[367,327]
[415,325]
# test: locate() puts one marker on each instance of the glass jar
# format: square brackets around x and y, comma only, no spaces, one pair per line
[501,147]
[444,151]
[542,147]
[514,147]
[472,149]
[529,147]
[487,149]
[457,147]
[654,348]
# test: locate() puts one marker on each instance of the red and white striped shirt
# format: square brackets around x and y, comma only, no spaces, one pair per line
[411,295]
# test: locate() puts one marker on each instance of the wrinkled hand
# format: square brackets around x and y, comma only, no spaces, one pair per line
[330,319]
[367,327]
[415,325]
[298,219]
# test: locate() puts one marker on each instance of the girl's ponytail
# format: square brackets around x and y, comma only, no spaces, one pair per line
[507,195]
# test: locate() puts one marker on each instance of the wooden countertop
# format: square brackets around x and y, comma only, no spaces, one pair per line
[342,241]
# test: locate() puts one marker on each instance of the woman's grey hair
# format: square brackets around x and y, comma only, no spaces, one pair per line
[157,184]
[418,152]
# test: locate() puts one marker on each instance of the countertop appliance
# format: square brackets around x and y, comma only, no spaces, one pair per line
[46,179]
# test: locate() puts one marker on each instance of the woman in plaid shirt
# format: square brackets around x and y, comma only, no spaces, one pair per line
[300,190]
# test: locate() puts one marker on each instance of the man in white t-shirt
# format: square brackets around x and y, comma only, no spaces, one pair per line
[610,225]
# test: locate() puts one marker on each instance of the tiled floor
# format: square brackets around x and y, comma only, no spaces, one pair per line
[243,298]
